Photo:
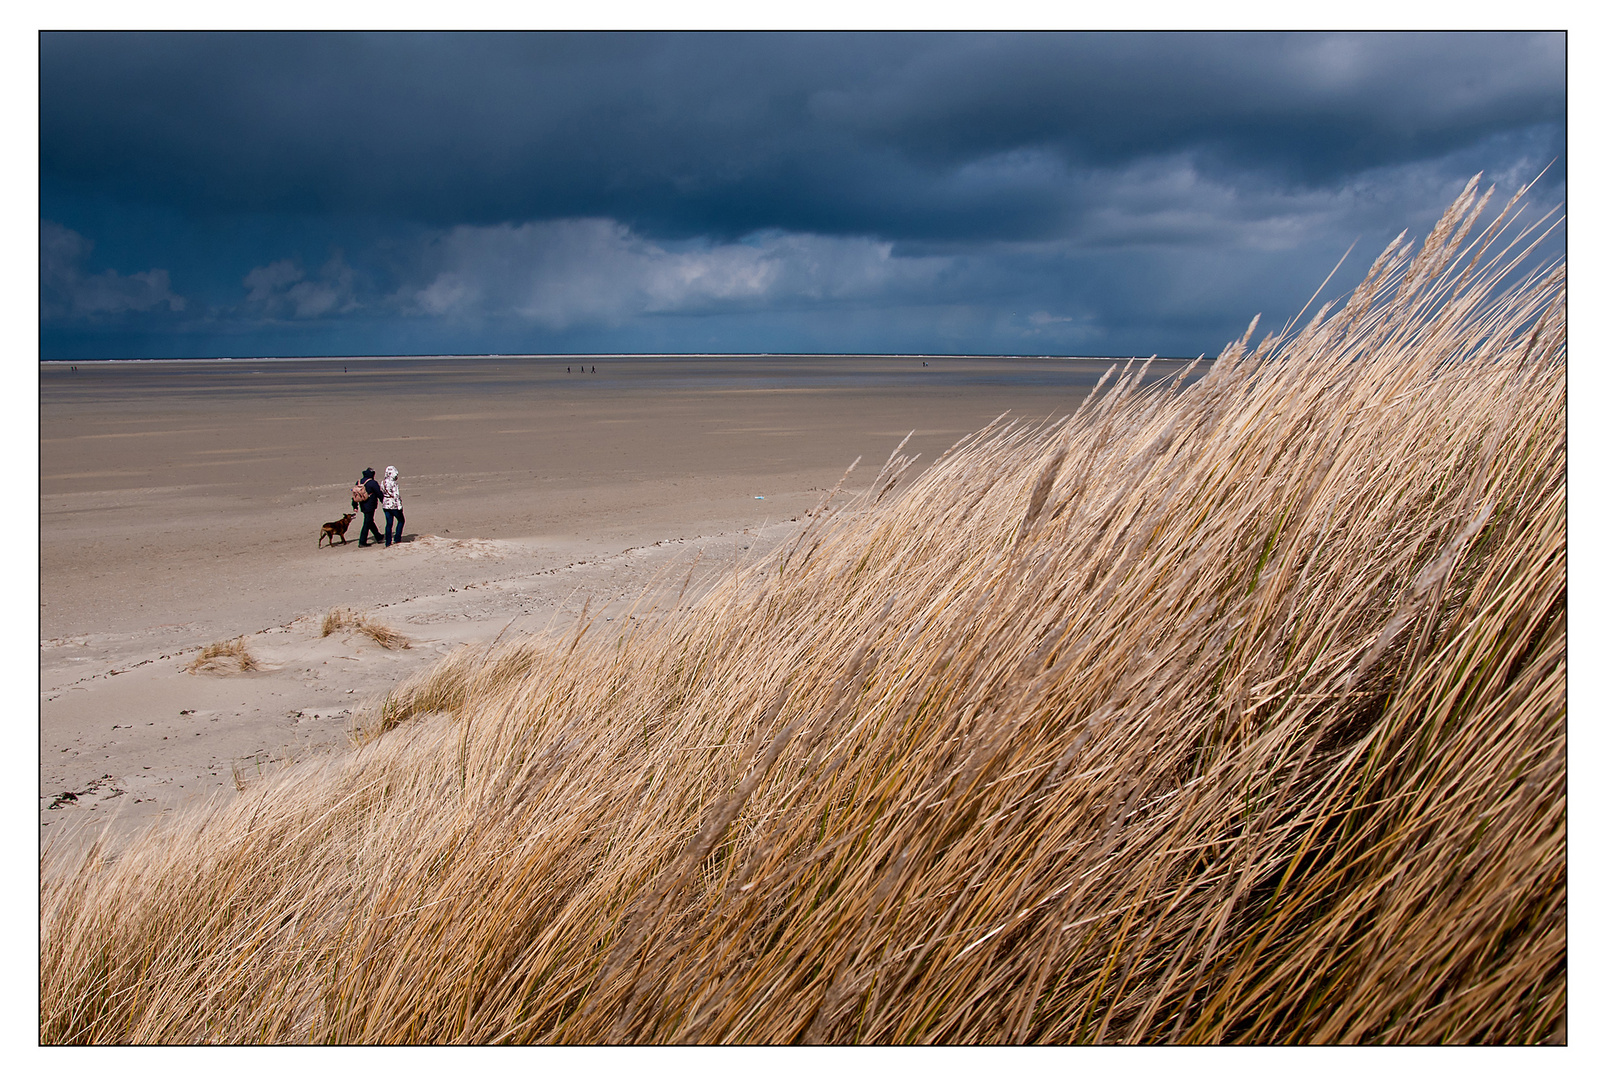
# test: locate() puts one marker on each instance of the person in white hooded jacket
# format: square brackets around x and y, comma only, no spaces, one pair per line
[390,499]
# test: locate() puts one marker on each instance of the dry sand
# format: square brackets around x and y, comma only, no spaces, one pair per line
[180,505]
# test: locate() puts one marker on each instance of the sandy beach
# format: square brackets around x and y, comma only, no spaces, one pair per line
[180,505]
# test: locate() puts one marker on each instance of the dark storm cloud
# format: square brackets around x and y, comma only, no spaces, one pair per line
[259,194]
[961,136]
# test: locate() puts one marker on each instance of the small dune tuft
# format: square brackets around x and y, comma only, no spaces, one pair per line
[342,618]
[225,658]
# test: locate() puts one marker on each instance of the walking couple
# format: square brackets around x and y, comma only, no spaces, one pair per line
[374,494]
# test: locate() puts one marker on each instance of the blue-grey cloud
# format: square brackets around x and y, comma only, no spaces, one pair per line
[573,271]
[282,289]
[67,289]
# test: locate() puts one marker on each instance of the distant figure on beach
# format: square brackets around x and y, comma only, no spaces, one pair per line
[368,506]
[390,498]
[593,369]
[570,369]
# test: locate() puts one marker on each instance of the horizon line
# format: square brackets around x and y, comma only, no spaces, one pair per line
[604,355]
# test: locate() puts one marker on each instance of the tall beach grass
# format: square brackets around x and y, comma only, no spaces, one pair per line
[1223,712]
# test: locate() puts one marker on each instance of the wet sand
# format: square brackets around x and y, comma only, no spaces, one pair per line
[180,505]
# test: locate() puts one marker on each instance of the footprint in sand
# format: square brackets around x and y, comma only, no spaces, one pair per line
[471,548]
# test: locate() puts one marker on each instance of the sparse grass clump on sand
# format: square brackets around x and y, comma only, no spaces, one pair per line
[1224,712]
[342,618]
[225,657]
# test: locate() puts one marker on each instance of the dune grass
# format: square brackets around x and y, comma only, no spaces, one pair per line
[1231,712]
[342,618]
[224,658]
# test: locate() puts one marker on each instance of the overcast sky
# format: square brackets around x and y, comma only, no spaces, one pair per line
[1080,194]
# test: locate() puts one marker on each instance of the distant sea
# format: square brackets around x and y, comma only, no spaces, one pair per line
[456,374]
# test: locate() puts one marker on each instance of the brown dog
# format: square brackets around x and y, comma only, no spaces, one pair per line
[332,529]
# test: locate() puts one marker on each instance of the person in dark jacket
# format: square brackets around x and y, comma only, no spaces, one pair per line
[368,506]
